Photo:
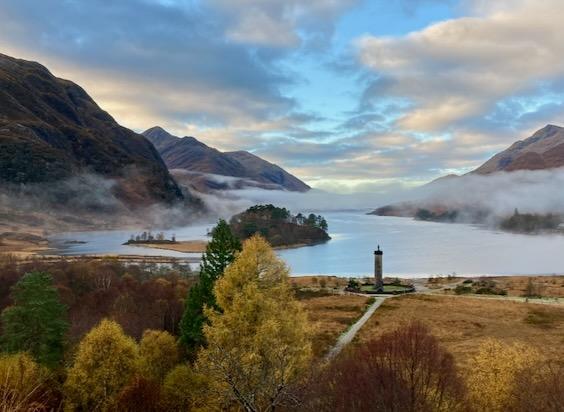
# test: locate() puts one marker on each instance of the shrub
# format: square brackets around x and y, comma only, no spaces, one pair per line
[461,290]
[405,370]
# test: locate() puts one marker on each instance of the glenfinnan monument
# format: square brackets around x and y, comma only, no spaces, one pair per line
[379,282]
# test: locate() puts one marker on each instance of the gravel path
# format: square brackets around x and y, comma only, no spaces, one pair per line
[349,335]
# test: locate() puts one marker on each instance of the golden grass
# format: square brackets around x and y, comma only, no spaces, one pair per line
[331,316]
[184,246]
[462,323]
[552,286]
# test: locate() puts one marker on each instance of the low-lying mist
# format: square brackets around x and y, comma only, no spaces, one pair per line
[89,201]
[490,197]
[539,192]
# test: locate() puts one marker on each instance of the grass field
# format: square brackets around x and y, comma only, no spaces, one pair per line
[462,323]
[545,285]
[331,316]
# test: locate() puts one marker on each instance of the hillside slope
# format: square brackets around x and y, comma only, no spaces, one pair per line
[191,155]
[543,150]
[262,171]
[51,130]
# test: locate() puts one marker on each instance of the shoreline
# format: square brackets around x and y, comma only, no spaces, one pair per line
[182,246]
[199,246]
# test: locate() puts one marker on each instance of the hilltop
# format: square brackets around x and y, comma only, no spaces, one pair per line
[543,150]
[205,164]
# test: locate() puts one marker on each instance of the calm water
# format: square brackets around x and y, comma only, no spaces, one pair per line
[411,248]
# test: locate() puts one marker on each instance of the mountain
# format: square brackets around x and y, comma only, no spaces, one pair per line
[189,154]
[202,161]
[543,150]
[52,131]
[262,171]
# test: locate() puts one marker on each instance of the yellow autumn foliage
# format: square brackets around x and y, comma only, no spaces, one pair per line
[260,343]
[494,369]
[106,360]
[158,354]
[184,390]
[21,383]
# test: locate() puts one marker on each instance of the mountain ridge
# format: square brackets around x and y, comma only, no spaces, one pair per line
[543,150]
[189,154]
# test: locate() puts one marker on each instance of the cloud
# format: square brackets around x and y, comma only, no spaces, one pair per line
[460,68]
[281,24]
[170,61]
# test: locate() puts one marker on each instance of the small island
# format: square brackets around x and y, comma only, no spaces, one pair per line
[159,241]
[148,237]
[280,227]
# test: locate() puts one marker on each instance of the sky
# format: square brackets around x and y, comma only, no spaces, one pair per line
[349,95]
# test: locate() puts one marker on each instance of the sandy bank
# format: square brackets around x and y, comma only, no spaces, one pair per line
[184,246]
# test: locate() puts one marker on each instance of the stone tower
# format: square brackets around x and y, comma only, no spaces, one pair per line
[378,280]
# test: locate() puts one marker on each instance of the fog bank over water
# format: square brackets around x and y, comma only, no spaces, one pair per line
[538,191]
[497,194]
[230,202]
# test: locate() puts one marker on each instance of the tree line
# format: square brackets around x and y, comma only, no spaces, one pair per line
[275,213]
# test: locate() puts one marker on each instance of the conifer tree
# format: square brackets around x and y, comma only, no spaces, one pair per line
[220,252]
[36,322]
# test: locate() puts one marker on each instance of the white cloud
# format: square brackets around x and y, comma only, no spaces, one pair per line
[280,23]
[459,68]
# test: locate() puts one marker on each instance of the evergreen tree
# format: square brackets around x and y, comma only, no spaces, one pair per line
[323,224]
[220,252]
[36,322]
